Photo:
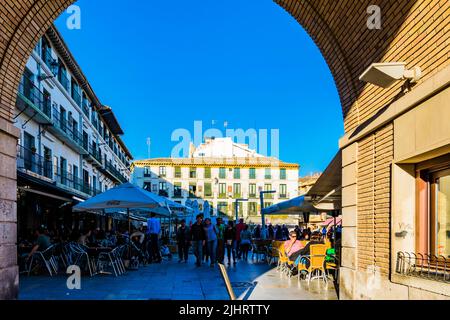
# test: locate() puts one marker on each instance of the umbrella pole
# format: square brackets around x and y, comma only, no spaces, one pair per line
[129,233]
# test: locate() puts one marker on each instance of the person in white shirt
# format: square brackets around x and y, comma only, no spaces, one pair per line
[153,230]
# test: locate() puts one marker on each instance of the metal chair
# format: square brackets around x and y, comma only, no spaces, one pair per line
[47,258]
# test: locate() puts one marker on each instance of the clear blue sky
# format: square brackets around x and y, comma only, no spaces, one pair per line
[161,65]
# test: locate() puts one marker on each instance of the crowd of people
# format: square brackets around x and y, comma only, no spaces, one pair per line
[210,242]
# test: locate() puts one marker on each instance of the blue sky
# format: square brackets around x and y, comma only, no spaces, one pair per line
[161,65]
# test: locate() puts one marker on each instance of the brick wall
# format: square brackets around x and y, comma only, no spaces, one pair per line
[413,31]
[375,155]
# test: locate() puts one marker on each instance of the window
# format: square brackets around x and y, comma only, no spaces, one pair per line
[162,171]
[433,210]
[207,173]
[208,190]
[222,190]
[222,173]
[440,213]
[177,190]
[267,204]
[268,187]
[163,189]
[192,190]
[147,172]
[192,173]
[283,191]
[252,190]
[177,172]
[268,173]
[282,174]
[252,209]
[252,173]
[236,190]
[237,173]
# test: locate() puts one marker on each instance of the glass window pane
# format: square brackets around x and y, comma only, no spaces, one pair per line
[443,216]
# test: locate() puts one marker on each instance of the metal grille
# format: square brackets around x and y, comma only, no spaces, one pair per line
[427,266]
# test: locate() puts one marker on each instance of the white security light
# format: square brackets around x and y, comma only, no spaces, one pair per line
[386,73]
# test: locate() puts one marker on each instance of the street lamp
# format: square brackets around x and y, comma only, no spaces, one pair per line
[261,199]
[236,207]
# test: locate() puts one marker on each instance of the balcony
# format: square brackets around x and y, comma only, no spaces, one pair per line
[61,128]
[76,96]
[94,154]
[64,81]
[114,173]
[85,107]
[281,196]
[222,196]
[31,101]
[68,181]
[29,161]
[48,59]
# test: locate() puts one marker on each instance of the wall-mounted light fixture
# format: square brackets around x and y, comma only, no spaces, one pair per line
[385,74]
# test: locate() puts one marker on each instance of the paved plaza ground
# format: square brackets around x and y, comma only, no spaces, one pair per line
[173,281]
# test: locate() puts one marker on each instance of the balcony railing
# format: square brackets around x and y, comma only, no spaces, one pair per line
[63,125]
[116,173]
[75,183]
[426,266]
[64,81]
[95,152]
[30,94]
[48,59]
[29,160]
[76,96]
[85,107]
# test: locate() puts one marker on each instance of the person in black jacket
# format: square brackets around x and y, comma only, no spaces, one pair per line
[198,237]
[230,241]
[183,234]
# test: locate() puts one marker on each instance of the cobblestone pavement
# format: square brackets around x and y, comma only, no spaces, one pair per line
[177,281]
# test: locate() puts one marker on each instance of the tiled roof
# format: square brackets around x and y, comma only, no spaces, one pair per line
[217,162]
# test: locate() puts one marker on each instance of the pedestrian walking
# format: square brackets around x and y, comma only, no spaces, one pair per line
[220,228]
[245,243]
[211,240]
[183,242]
[198,238]
[230,242]
[239,227]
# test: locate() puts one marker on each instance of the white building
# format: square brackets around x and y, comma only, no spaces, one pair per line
[70,145]
[220,171]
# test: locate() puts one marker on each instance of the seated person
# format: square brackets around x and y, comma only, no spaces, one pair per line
[42,242]
[84,238]
[292,246]
[316,238]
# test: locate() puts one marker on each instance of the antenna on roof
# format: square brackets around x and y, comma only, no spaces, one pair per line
[149,142]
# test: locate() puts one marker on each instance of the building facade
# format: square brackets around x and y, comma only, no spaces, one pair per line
[220,171]
[69,146]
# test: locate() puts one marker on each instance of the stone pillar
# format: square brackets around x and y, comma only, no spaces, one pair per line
[349,222]
[9,272]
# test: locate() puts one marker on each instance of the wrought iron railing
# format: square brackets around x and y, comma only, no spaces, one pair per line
[95,152]
[29,160]
[426,266]
[62,78]
[63,125]
[116,173]
[30,94]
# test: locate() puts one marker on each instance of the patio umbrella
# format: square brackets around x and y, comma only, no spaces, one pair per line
[126,196]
